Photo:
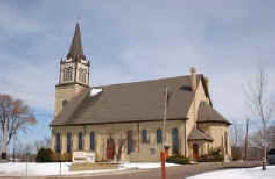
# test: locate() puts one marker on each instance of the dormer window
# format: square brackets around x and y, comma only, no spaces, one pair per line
[83,75]
[68,74]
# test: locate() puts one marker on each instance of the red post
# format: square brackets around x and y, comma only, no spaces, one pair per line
[162,161]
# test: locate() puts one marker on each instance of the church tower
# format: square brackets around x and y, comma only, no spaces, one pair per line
[73,75]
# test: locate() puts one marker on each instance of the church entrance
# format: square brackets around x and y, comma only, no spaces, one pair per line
[195,151]
[110,149]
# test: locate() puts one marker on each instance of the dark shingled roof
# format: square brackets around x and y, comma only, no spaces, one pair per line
[209,115]
[75,51]
[130,102]
[196,134]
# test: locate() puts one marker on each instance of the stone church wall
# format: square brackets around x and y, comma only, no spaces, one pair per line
[65,93]
[148,151]
[192,115]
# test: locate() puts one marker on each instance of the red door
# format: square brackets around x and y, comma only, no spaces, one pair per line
[110,149]
[195,151]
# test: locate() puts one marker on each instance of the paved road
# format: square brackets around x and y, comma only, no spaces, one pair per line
[179,172]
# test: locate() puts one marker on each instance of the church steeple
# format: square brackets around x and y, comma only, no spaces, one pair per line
[74,74]
[76,51]
[75,68]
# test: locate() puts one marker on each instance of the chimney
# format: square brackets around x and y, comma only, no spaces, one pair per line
[193,78]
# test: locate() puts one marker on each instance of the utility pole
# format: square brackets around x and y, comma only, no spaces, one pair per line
[164,118]
[246,140]
[264,140]
[163,153]
[26,164]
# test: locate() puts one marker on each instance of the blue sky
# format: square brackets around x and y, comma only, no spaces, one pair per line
[133,41]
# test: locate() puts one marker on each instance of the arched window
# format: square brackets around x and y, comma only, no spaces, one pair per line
[82,75]
[159,136]
[175,141]
[144,136]
[57,143]
[69,142]
[68,74]
[80,141]
[130,142]
[92,141]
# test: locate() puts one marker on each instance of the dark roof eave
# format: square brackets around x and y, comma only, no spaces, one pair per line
[115,122]
[215,121]
[71,83]
[211,140]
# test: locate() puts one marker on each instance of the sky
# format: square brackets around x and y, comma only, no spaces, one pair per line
[228,41]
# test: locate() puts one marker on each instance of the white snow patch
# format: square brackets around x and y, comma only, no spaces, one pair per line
[95,91]
[53,168]
[243,173]
[144,165]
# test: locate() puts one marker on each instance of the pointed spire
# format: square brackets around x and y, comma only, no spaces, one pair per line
[75,51]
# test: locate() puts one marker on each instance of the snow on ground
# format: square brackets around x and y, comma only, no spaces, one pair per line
[243,173]
[53,168]
[144,165]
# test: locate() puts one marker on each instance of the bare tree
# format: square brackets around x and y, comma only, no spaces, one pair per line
[14,116]
[44,143]
[48,142]
[246,139]
[237,133]
[260,105]
[256,139]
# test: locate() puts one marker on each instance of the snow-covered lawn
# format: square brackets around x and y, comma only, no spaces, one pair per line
[42,169]
[242,173]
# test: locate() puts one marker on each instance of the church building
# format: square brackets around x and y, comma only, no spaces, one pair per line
[134,121]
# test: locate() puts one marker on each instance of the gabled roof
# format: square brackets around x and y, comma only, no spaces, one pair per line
[76,51]
[197,134]
[130,102]
[207,114]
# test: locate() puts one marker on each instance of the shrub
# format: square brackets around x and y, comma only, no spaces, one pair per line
[180,159]
[211,158]
[214,155]
[44,155]
[215,151]
[56,157]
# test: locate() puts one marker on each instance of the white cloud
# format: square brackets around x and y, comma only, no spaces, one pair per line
[139,40]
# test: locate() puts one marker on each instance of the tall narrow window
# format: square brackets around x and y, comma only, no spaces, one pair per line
[82,75]
[68,74]
[130,142]
[159,136]
[80,140]
[92,141]
[57,143]
[175,141]
[144,136]
[69,142]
